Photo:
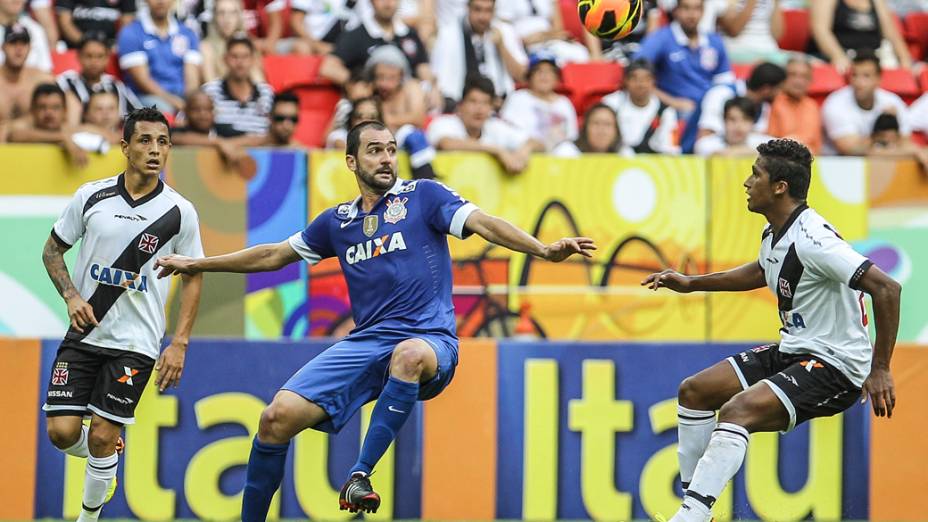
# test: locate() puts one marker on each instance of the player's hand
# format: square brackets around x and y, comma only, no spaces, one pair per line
[881,391]
[668,279]
[564,248]
[80,312]
[174,264]
[170,365]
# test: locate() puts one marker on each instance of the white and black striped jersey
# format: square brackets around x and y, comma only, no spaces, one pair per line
[72,81]
[120,240]
[814,274]
[233,117]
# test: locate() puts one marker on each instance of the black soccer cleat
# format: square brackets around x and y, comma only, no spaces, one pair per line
[358,495]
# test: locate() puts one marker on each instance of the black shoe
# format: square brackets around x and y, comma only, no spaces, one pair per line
[358,495]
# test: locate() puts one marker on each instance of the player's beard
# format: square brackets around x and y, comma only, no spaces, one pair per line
[375,180]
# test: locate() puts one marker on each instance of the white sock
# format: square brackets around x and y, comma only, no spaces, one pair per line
[694,428]
[79,449]
[717,466]
[99,475]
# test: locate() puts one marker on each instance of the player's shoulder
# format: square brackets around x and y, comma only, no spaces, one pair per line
[184,204]
[812,230]
[92,187]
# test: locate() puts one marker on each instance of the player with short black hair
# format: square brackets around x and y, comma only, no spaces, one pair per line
[391,244]
[824,360]
[115,304]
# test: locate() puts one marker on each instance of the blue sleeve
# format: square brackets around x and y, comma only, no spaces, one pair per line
[128,40]
[445,210]
[314,243]
[651,48]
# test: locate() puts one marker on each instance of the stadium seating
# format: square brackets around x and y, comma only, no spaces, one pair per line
[286,71]
[797,30]
[62,62]
[923,80]
[901,82]
[916,25]
[742,70]
[572,20]
[310,131]
[825,80]
[586,83]
[317,105]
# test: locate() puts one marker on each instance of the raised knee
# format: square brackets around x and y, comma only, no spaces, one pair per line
[63,438]
[409,358]
[101,441]
[690,395]
[272,428]
[738,410]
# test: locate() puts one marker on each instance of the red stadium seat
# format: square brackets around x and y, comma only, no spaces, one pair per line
[797,30]
[285,71]
[112,66]
[572,20]
[825,80]
[916,25]
[919,138]
[742,70]
[319,97]
[585,83]
[923,80]
[901,82]
[261,29]
[310,130]
[62,62]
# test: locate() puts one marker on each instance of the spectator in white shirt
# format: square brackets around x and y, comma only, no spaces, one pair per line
[473,128]
[648,125]
[11,13]
[849,113]
[762,87]
[739,138]
[751,29]
[599,134]
[538,23]
[539,111]
[918,114]
[478,45]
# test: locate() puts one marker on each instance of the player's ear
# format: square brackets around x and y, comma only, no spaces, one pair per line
[351,162]
[124,145]
[780,187]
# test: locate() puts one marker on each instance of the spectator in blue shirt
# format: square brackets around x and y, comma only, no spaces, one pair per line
[687,63]
[161,58]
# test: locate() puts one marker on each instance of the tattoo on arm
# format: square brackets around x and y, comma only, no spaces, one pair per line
[53,258]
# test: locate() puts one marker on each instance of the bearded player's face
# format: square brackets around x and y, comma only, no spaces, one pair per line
[375,163]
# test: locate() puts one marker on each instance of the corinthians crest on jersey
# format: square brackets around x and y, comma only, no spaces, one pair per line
[396,210]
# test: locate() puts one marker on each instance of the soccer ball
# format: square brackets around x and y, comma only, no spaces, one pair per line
[610,19]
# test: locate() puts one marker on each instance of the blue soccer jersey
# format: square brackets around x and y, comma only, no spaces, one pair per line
[395,258]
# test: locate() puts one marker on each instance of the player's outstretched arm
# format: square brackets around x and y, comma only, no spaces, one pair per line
[886,294]
[259,258]
[746,277]
[503,233]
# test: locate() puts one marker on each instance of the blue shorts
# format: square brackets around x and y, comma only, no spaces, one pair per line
[353,371]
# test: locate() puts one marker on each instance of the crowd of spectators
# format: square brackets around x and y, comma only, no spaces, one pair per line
[474,75]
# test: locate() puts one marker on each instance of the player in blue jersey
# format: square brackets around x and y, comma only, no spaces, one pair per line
[392,246]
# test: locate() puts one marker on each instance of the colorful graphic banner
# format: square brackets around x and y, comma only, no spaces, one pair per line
[646,213]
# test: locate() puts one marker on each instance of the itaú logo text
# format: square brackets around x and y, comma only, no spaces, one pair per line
[107,275]
[375,247]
